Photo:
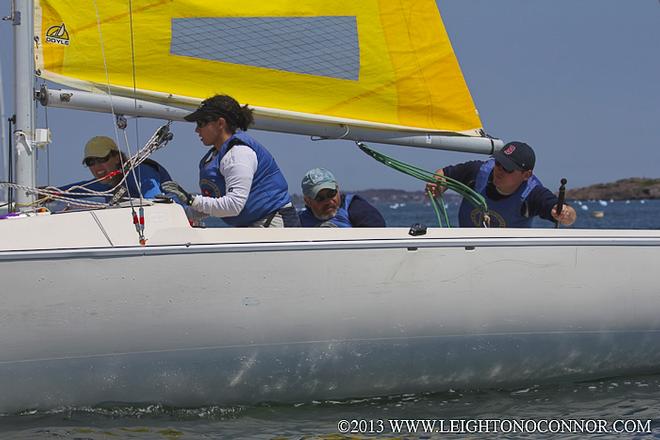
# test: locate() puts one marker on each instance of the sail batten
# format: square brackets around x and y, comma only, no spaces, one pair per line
[375,63]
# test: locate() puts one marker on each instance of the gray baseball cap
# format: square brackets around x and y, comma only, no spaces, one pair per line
[317,179]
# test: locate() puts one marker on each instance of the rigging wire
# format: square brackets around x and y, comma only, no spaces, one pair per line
[134,79]
[465,191]
[140,220]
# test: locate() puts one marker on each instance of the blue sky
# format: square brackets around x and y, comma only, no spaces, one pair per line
[579,80]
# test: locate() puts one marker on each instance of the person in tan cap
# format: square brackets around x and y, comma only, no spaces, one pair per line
[102,157]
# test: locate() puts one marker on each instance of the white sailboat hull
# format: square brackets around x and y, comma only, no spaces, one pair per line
[227,316]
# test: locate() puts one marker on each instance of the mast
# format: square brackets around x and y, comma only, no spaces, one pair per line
[24,152]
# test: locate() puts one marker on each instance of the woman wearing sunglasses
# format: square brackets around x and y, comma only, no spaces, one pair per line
[104,160]
[326,206]
[239,179]
[513,194]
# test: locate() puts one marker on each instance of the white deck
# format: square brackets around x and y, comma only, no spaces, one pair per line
[166,225]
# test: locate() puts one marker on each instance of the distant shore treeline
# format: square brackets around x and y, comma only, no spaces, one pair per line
[390,196]
[634,188]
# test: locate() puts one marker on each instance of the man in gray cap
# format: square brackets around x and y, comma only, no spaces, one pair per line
[326,206]
[513,194]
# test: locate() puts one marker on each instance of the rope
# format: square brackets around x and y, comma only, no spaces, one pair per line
[158,140]
[51,193]
[465,191]
[439,207]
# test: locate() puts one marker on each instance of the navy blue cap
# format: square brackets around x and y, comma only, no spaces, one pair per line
[516,156]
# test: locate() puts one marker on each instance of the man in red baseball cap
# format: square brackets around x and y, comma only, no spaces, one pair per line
[513,194]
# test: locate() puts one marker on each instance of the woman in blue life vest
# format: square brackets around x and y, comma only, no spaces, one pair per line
[513,194]
[103,158]
[238,178]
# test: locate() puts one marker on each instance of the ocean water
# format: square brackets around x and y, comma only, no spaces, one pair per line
[633,400]
[631,214]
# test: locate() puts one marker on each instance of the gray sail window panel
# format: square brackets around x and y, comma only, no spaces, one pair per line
[321,46]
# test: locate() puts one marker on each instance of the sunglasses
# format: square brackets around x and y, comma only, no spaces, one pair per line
[499,165]
[91,161]
[202,122]
[327,196]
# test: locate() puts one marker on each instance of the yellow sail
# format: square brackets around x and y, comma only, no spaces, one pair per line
[383,62]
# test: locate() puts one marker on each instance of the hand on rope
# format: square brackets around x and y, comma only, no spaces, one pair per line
[439,187]
[435,185]
[172,187]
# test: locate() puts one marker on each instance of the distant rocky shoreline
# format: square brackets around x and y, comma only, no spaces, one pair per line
[378,196]
[634,188]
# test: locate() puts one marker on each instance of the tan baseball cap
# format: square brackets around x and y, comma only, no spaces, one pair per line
[99,146]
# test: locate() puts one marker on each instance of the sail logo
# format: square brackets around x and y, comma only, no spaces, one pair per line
[57,35]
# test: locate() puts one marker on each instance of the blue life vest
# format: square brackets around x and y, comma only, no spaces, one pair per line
[151,175]
[269,191]
[163,175]
[504,213]
[307,218]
